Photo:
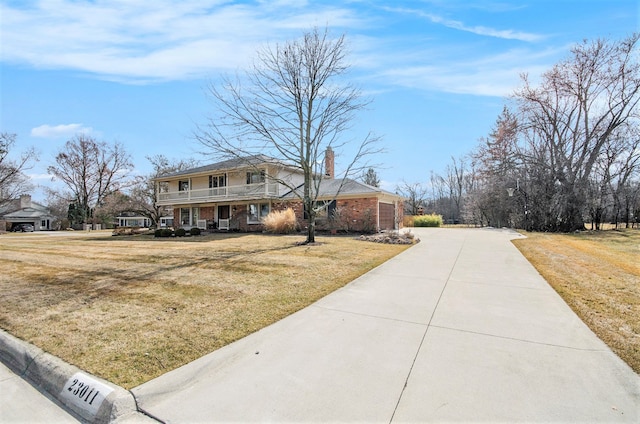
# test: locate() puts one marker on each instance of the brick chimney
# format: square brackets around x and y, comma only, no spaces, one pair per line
[329,163]
[25,201]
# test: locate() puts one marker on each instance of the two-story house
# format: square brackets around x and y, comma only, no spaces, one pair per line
[237,194]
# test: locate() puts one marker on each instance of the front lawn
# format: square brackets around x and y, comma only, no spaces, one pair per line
[129,309]
[598,275]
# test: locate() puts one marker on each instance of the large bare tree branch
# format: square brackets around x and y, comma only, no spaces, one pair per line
[295,106]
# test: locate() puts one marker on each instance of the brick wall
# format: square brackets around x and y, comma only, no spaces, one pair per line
[208,213]
[358,215]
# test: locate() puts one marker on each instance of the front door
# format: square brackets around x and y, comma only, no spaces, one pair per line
[223,212]
[223,217]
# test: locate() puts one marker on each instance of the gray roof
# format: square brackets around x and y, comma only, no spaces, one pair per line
[12,210]
[331,188]
[27,213]
[226,165]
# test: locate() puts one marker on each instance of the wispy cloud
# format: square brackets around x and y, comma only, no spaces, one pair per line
[496,75]
[138,42]
[56,131]
[507,34]
[163,40]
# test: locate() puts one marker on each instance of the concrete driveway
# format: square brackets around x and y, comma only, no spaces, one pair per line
[458,328]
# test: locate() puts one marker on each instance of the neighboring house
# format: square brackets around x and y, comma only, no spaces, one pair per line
[25,211]
[238,194]
[165,222]
[128,219]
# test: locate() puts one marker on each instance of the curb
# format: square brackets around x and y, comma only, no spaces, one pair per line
[85,396]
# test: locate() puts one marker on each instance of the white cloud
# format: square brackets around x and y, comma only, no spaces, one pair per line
[496,74]
[507,34]
[56,131]
[161,40]
[137,41]
[36,177]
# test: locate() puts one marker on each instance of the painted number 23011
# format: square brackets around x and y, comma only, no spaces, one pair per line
[84,391]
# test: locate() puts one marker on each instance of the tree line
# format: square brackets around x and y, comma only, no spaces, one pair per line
[563,154]
[97,181]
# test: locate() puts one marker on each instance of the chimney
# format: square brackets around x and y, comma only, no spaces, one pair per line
[25,201]
[329,163]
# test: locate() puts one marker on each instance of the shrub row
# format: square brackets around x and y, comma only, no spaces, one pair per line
[180,232]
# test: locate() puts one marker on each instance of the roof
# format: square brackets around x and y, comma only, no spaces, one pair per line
[12,210]
[26,213]
[331,188]
[226,165]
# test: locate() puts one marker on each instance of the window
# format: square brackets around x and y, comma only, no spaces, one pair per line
[324,209]
[185,216]
[256,177]
[183,185]
[257,212]
[216,181]
[189,216]
[195,215]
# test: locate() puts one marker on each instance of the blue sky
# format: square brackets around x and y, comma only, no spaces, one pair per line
[135,71]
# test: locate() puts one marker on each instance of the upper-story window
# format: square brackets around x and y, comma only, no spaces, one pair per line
[163,187]
[256,177]
[216,181]
[183,185]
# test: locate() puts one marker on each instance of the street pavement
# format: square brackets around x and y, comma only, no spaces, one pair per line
[458,328]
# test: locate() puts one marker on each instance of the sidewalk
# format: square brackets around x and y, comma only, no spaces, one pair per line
[21,402]
[458,328]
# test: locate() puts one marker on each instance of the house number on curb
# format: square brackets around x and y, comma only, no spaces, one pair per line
[85,392]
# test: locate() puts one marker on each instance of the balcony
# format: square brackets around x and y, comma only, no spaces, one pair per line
[219,194]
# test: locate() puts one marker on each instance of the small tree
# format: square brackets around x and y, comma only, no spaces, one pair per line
[294,109]
[370,177]
[416,195]
[13,181]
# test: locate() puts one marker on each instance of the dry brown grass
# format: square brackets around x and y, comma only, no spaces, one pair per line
[598,275]
[130,309]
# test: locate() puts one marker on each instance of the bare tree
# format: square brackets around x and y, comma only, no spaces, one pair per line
[294,108]
[13,181]
[144,194]
[416,195]
[449,191]
[58,206]
[569,118]
[623,156]
[495,166]
[91,170]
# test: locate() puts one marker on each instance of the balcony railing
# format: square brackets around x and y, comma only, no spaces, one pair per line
[246,191]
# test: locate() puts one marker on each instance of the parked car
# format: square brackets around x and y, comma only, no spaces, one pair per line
[24,228]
